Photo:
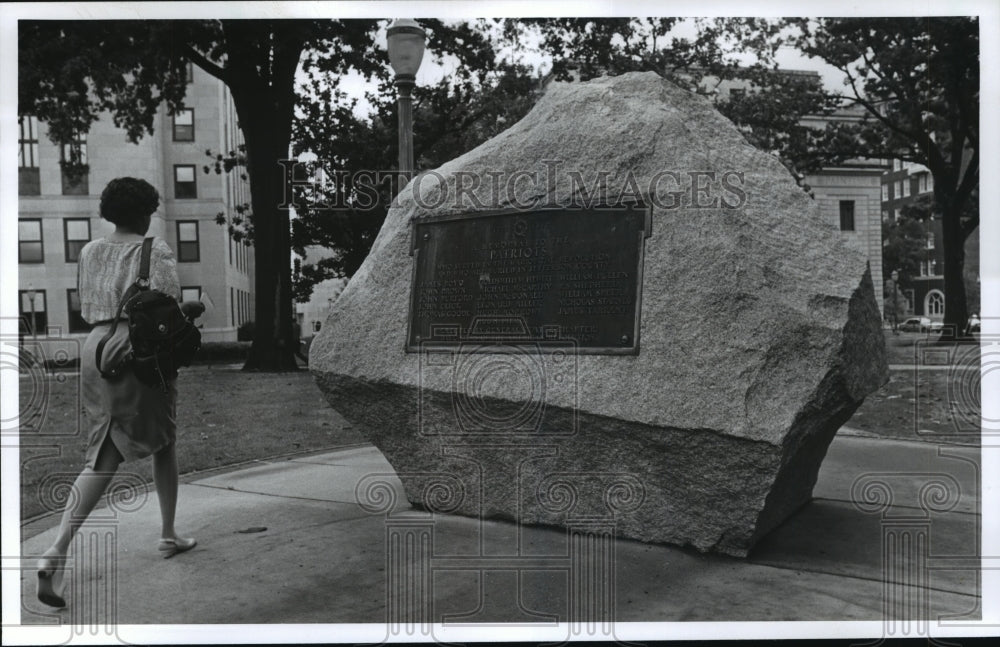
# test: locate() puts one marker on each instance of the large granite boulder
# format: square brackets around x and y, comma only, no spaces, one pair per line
[760,335]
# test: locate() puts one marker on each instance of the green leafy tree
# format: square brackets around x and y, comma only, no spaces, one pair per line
[487,93]
[911,84]
[713,53]
[904,244]
[917,81]
[896,307]
[484,94]
[71,71]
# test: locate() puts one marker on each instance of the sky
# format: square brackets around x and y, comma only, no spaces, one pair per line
[432,71]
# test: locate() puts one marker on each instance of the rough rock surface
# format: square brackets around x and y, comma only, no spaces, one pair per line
[760,336]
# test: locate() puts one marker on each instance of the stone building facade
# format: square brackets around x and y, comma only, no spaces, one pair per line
[57,215]
[848,197]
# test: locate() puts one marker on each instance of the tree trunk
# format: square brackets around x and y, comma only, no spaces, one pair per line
[956,310]
[266,142]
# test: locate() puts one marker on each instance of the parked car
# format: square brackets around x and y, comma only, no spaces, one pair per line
[921,324]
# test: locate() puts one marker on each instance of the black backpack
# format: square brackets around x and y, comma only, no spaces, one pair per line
[162,338]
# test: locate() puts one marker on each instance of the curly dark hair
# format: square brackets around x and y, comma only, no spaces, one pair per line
[127,201]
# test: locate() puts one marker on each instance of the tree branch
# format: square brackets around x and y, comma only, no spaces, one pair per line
[873,110]
[202,61]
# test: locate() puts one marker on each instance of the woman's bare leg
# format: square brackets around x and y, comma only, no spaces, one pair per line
[88,489]
[165,477]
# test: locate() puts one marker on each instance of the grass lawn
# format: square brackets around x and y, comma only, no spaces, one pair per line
[227,417]
[935,399]
[912,347]
[224,417]
[934,406]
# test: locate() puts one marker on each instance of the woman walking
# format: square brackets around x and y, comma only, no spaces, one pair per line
[128,419]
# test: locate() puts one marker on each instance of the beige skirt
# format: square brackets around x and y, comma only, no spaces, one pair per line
[139,419]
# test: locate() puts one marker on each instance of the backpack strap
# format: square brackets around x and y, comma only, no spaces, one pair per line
[141,283]
[147,249]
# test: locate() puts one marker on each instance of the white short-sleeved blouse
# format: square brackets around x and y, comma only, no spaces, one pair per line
[107,268]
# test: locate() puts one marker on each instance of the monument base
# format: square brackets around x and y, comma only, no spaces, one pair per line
[690,487]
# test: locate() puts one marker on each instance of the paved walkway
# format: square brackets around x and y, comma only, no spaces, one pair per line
[285,541]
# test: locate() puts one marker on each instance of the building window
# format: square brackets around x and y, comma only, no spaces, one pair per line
[316,326]
[923,183]
[184,182]
[885,193]
[184,125]
[930,182]
[847,215]
[191,293]
[929,267]
[906,188]
[30,248]
[885,215]
[28,179]
[73,162]
[896,165]
[899,190]
[930,241]
[934,303]
[76,322]
[33,311]
[187,241]
[190,72]
[76,231]
[232,306]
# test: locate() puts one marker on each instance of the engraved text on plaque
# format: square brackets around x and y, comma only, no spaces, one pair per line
[555,273]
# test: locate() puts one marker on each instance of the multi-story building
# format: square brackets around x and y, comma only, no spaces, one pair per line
[847,193]
[58,214]
[312,313]
[905,184]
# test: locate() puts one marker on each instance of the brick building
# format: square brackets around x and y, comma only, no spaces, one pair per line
[58,214]
[904,184]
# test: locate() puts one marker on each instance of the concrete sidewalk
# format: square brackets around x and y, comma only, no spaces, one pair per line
[287,542]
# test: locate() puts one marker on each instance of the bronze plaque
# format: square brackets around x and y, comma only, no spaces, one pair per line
[548,275]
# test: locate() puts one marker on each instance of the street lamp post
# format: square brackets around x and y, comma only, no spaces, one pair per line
[406,40]
[895,302]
